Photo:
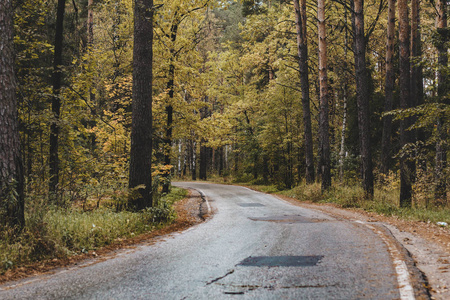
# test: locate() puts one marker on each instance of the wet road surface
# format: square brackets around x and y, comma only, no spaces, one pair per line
[255,246]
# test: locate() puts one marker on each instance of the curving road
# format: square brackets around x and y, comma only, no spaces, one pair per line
[256,246]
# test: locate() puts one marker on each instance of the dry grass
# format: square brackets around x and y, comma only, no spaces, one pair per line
[56,233]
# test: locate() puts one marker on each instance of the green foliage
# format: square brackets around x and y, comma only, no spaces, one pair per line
[9,198]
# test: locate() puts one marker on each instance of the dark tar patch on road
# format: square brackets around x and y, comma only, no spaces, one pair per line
[284,219]
[281,261]
[251,204]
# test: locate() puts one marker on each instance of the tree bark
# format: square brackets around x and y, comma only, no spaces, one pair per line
[302,48]
[141,130]
[362,97]
[90,23]
[406,165]
[194,159]
[386,145]
[221,160]
[342,144]
[90,45]
[168,134]
[344,113]
[203,160]
[56,101]
[169,108]
[442,78]
[11,171]
[323,98]
[416,70]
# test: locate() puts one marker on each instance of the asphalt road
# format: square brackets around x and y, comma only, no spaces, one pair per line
[255,246]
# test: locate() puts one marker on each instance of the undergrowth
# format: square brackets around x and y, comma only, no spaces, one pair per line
[52,232]
[385,201]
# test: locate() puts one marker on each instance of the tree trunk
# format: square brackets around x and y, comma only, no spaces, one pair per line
[344,113]
[203,160]
[56,102]
[386,145]
[90,23]
[11,171]
[441,144]
[194,160]
[221,160]
[416,80]
[406,169]
[323,98]
[302,48]
[168,134]
[416,72]
[90,43]
[362,97]
[141,130]
[169,107]
[342,146]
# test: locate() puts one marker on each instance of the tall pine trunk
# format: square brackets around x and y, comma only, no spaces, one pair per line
[141,127]
[416,52]
[362,97]
[344,113]
[168,133]
[406,165]
[90,23]
[11,171]
[193,144]
[323,96]
[169,108]
[204,150]
[441,144]
[90,44]
[203,160]
[386,145]
[417,85]
[302,48]
[56,101]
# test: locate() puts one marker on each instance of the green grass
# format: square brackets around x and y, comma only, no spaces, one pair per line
[385,202]
[52,232]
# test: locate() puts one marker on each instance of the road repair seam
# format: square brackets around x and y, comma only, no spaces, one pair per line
[404,283]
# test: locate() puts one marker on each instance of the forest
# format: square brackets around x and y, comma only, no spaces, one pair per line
[103,103]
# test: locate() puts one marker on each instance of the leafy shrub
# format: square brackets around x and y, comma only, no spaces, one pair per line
[160,214]
[306,192]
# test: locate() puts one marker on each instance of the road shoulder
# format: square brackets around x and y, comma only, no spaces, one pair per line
[189,213]
[425,246]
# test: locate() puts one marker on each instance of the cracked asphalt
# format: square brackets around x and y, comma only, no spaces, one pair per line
[255,246]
